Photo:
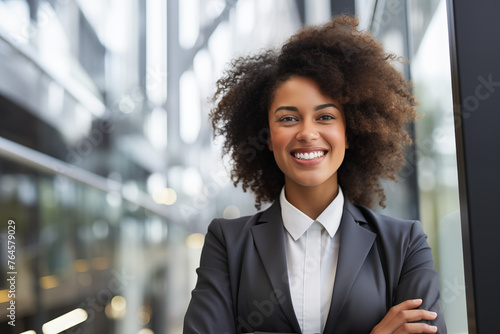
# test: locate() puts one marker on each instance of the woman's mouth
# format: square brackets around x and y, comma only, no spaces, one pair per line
[308,155]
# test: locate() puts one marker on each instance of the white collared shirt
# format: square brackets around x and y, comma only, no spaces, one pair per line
[300,227]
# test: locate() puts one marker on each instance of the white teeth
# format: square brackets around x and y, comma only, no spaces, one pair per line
[310,155]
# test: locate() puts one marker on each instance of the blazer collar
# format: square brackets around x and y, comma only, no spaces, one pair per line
[355,243]
[269,238]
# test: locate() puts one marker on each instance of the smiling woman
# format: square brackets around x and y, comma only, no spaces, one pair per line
[318,260]
[347,66]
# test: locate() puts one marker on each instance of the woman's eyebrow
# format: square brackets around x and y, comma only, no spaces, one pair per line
[289,108]
[323,106]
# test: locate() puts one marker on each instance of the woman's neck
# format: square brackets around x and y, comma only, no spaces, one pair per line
[312,201]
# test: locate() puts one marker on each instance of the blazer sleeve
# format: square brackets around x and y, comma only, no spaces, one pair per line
[418,278]
[211,307]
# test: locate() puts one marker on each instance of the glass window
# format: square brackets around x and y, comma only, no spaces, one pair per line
[435,142]
[418,31]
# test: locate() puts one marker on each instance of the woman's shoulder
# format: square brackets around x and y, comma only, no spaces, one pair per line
[385,226]
[235,224]
[237,229]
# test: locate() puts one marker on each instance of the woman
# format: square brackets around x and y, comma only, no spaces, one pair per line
[314,128]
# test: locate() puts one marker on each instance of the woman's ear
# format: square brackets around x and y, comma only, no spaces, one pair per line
[269,143]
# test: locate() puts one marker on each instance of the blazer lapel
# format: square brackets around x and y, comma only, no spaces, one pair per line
[269,238]
[355,243]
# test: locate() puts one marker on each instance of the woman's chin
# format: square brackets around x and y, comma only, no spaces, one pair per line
[311,183]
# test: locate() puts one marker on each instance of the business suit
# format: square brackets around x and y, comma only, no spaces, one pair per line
[243,281]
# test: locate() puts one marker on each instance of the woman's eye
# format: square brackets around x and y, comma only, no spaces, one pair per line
[326,118]
[288,119]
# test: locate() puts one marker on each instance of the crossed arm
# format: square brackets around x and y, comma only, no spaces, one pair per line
[401,319]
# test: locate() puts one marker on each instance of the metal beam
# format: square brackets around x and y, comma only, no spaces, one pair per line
[301,9]
[342,7]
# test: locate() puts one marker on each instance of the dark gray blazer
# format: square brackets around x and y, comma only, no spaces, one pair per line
[243,281]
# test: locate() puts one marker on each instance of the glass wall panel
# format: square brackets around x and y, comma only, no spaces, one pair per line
[417,30]
[437,161]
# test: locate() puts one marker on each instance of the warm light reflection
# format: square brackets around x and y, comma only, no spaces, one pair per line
[118,303]
[4,296]
[144,317]
[100,263]
[195,241]
[81,265]
[117,308]
[146,331]
[231,211]
[49,282]
[65,321]
[112,314]
[29,332]
[166,196]
[85,279]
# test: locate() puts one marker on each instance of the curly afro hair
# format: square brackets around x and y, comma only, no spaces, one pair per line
[348,65]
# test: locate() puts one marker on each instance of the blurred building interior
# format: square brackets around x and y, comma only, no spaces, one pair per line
[109,170]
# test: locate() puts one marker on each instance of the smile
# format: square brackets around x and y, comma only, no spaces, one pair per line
[309,156]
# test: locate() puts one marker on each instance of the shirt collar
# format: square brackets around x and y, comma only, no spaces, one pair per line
[296,222]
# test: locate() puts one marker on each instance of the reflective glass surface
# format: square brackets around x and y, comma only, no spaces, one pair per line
[437,161]
[418,31]
[77,247]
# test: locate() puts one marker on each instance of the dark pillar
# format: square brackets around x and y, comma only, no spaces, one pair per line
[301,8]
[475,53]
[342,7]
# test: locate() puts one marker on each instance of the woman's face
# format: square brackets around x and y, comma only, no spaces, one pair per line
[307,134]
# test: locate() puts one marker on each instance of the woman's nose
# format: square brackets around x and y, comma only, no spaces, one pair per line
[307,132]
